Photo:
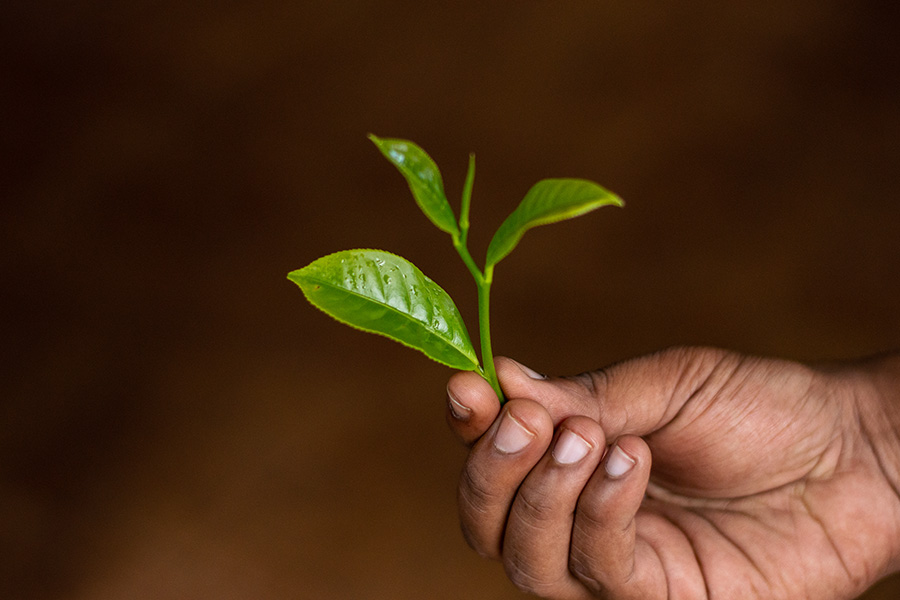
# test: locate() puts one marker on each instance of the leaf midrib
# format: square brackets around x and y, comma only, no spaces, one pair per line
[389,307]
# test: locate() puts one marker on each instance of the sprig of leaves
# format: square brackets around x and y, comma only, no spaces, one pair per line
[382,293]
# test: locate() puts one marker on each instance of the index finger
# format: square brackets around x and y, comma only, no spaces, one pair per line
[472,406]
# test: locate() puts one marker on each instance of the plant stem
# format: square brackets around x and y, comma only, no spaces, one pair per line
[466,201]
[484,332]
[482,281]
[467,259]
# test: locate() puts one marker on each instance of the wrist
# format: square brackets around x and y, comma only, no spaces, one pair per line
[878,405]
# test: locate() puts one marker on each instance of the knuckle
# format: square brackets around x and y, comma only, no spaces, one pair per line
[532,509]
[591,525]
[476,500]
[590,390]
[581,567]
[590,518]
[476,493]
[522,574]
[600,386]
[597,383]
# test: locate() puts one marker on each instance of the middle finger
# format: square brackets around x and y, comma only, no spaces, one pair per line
[539,529]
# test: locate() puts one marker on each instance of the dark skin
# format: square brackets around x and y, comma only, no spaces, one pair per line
[687,474]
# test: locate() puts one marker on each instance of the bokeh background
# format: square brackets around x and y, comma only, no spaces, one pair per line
[177,422]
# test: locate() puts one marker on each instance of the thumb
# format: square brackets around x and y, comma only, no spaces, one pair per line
[633,397]
[562,397]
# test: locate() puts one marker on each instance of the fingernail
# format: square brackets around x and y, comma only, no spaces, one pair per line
[512,435]
[531,372]
[460,411]
[570,448]
[618,463]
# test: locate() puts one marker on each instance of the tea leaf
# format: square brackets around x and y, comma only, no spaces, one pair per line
[424,180]
[548,201]
[382,293]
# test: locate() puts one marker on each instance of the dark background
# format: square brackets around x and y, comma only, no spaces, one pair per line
[177,422]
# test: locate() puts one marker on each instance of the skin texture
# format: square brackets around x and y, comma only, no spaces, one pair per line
[687,474]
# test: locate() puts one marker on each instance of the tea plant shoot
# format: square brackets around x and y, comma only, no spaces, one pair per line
[382,293]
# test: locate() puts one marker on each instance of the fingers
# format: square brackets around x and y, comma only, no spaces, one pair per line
[607,554]
[562,516]
[635,397]
[562,397]
[559,522]
[495,468]
[538,534]
[472,406]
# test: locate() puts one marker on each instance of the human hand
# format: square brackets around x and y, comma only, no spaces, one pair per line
[769,479]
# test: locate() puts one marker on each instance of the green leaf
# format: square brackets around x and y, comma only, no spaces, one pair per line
[382,293]
[424,180]
[548,201]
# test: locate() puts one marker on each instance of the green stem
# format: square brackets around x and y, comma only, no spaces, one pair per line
[482,281]
[466,201]
[484,331]
[467,259]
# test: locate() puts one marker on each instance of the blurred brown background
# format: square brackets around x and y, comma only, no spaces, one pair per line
[176,421]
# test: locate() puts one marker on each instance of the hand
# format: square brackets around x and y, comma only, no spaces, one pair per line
[769,479]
